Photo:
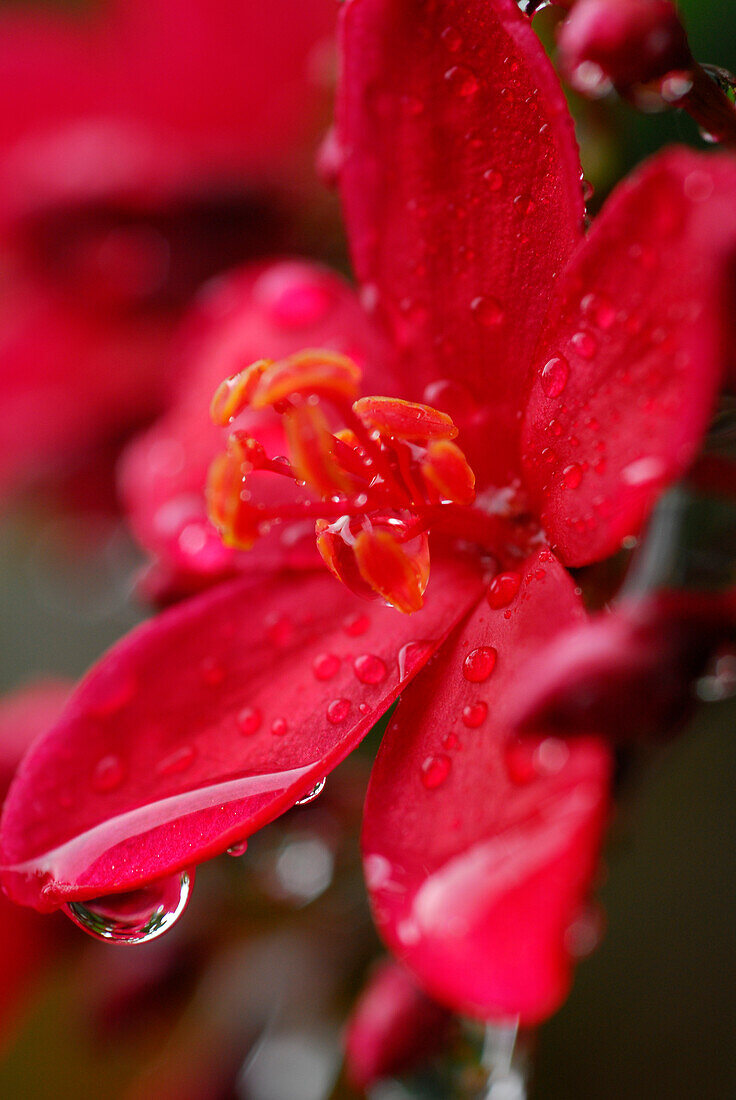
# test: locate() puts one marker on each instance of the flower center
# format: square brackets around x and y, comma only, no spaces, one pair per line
[374,473]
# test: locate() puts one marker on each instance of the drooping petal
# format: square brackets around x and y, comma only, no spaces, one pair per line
[206,723]
[262,310]
[628,673]
[460,182]
[633,353]
[479,852]
[392,1027]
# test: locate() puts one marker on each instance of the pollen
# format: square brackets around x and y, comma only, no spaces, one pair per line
[375,474]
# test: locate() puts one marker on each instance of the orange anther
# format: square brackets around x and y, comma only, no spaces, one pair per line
[399,576]
[404,419]
[236,393]
[325,373]
[445,469]
[312,451]
[234,518]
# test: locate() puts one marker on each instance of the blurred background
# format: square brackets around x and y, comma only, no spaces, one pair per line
[138,160]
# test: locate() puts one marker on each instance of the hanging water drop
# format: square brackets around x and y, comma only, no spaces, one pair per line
[238,849]
[315,792]
[136,917]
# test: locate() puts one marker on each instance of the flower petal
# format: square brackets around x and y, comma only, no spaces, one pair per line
[460,181]
[274,310]
[476,865]
[633,353]
[206,723]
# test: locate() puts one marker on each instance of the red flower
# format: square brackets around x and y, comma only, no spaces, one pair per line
[146,149]
[582,372]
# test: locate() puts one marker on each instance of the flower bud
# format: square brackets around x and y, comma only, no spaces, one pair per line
[621,42]
[392,1027]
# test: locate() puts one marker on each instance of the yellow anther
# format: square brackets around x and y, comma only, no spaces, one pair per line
[445,468]
[404,419]
[312,451]
[236,393]
[325,373]
[399,576]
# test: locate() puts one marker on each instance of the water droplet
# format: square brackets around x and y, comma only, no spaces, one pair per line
[475,714]
[108,774]
[325,666]
[525,204]
[452,39]
[136,917]
[503,589]
[293,297]
[411,655]
[585,344]
[487,311]
[279,631]
[572,475]
[451,741]
[212,672]
[238,849]
[588,190]
[249,720]
[435,771]
[369,669]
[279,727]
[355,625]
[462,80]
[494,179]
[338,710]
[112,695]
[554,375]
[479,664]
[316,790]
[177,761]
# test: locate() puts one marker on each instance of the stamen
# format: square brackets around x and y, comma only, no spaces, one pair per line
[374,473]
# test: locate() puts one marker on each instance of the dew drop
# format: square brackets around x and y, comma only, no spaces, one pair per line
[177,761]
[479,664]
[279,727]
[238,849]
[554,375]
[525,204]
[451,741]
[435,770]
[249,720]
[494,179]
[280,631]
[503,589]
[338,710]
[369,669]
[585,344]
[108,774]
[293,298]
[411,655]
[113,695]
[475,714]
[135,917]
[355,625]
[212,672]
[315,792]
[452,39]
[462,80]
[572,475]
[325,666]
[487,311]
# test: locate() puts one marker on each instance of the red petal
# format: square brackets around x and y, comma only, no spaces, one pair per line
[271,310]
[633,353]
[477,867]
[205,724]
[461,188]
[392,1027]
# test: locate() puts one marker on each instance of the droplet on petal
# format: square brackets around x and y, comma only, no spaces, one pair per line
[279,727]
[585,344]
[325,666]
[310,796]
[462,80]
[479,664]
[435,771]
[411,655]
[338,710]
[136,917]
[238,849]
[572,475]
[108,773]
[177,761]
[355,625]
[487,311]
[249,720]
[369,669]
[502,589]
[554,375]
[475,714]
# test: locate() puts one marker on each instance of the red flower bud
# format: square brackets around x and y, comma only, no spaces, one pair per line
[393,1026]
[622,42]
